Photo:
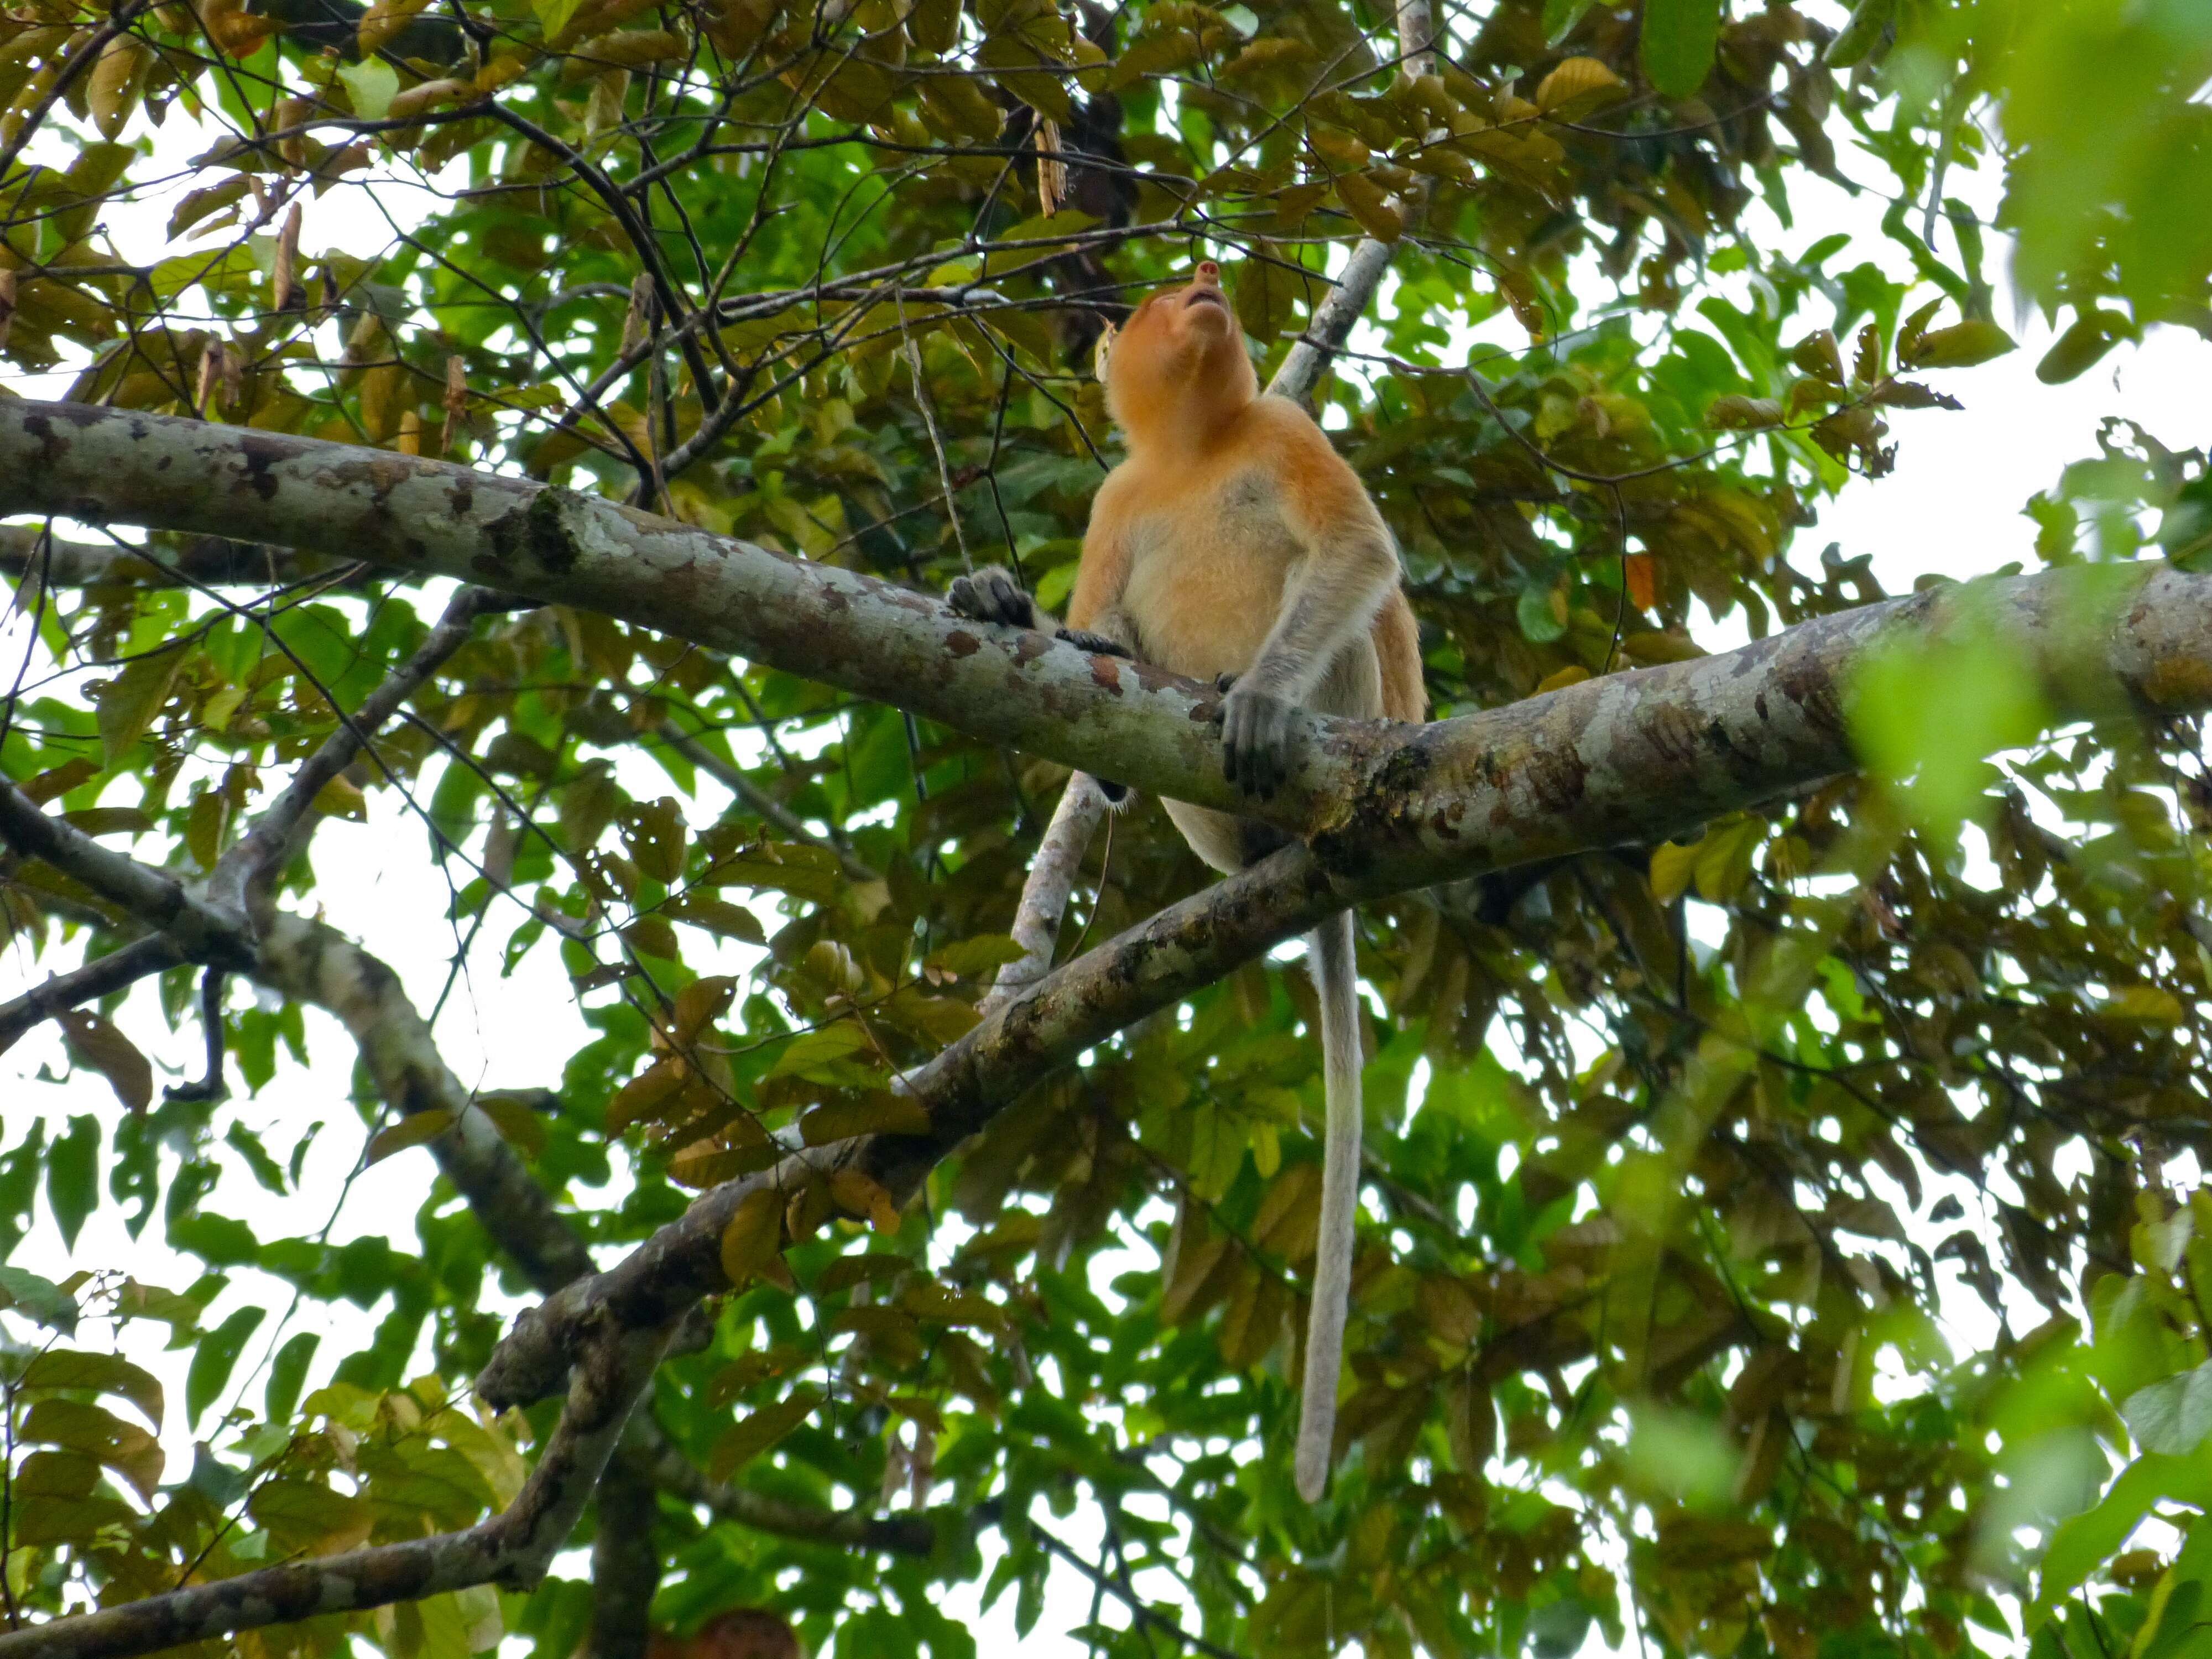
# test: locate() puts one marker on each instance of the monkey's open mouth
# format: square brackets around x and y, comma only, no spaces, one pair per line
[1212,296]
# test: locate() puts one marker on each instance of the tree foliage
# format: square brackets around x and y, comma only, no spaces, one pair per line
[1689,1164]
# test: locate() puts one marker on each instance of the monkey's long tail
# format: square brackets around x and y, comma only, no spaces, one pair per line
[1336,977]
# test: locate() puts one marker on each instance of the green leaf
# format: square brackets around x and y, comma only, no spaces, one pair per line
[99,1373]
[2173,1416]
[1560,17]
[373,83]
[73,1176]
[1541,614]
[1679,38]
[213,1358]
[1990,698]
[287,1374]
[38,1298]
[128,703]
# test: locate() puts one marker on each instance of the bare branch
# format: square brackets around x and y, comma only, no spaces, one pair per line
[97,978]
[315,963]
[275,839]
[900,1534]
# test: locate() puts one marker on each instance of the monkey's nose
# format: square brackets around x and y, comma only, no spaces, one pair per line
[1208,272]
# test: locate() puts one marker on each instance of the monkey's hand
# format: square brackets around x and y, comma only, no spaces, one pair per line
[1096,644]
[992,595]
[1255,738]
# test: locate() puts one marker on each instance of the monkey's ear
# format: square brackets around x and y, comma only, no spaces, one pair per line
[1101,351]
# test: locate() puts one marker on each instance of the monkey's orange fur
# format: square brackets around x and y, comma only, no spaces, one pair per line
[1235,533]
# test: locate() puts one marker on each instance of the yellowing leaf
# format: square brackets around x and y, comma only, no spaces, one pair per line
[2144,1004]
[1962,345]
[1735,413]
[372,84]
[879,1113]
[1582,83]
[410,1131]
[755,1234]
[744,1441]
[1368,202]
[858,1193]
[103,1373]
[1671,866]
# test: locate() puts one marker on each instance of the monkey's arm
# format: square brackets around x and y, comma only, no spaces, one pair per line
[1346,570]
[1095,612]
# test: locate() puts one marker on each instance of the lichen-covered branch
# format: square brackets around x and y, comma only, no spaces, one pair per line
[1620,757]
[625,1565]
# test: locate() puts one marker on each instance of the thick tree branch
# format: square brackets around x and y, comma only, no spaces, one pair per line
[1390,807]
[1032,1033]
[625,1565]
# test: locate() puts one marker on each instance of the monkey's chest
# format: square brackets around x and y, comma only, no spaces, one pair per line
[1206,578]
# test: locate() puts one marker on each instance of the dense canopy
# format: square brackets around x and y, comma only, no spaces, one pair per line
[1778,1239]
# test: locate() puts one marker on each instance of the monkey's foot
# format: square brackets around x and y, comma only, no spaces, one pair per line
[1097,644]
[992,595]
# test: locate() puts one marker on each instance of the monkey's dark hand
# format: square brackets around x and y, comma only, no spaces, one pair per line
[1096,644]
[1255,738]
[992,595]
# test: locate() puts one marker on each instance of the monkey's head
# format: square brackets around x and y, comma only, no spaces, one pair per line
[1176,370]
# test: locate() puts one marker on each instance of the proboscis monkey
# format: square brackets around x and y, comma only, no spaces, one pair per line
[1235,545]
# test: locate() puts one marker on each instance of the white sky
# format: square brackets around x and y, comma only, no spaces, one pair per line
[1954,506]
